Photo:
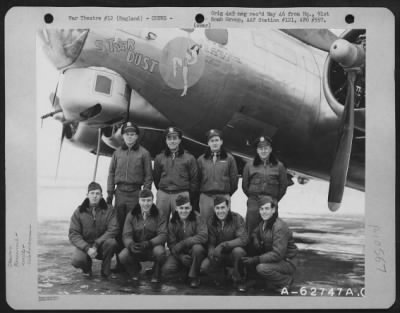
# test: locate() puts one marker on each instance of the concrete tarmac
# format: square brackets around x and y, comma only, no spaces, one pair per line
[330,260]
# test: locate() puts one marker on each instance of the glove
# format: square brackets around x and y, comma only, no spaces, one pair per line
[256,244]
[217,253]
[177,248]
[109,199]
[250,260]
[141,246]
[225,247]
[132,247]
[211,253]
[186,260]
[146,244]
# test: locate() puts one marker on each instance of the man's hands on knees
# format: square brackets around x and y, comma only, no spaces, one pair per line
[92,252]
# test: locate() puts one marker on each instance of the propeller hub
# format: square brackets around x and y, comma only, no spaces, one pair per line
[347,54]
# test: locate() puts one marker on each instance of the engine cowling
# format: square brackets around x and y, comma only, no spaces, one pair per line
[334,76]
[89,99]
[85,137]
[98,96]
[112,137]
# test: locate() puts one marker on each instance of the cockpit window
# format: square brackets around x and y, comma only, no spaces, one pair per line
[103,84]
[217,35]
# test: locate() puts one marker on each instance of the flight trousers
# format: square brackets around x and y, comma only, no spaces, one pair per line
[165,202]
[190,259]
[131,261]
[216,268]
[206,204]
[125,201]
[275,275]
[105,252]
[253,217]
[128,198]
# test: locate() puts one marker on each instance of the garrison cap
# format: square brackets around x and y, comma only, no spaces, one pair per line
[263,141]
[219,199]
[264,199]
[214,132]
[173,131]
[181,200]
[94,186]
[145,193]
[129,126]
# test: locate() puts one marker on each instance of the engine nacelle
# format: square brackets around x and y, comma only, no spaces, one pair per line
[112,137]
[85,137]
[96,95]
[334,76]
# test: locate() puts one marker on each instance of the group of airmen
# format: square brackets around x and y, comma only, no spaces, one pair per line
[190,226]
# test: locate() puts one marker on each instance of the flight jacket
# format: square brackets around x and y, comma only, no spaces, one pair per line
[193,231]
[137,230]
[86,230]
[221,177]
[264,179]
[232,231]
[131,168]
[277,242]
[176,174]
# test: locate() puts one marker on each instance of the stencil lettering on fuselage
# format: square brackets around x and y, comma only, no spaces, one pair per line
[182,63]
[127,47]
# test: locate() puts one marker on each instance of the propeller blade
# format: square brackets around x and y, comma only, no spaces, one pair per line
[318,38]
[97,154]
[63,132]
[342,158]
[55,101]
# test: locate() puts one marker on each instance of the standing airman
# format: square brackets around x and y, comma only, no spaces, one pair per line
[130,169]
[218,174]
[264,175]
[175,172]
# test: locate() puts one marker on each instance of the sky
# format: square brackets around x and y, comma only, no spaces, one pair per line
[77,166]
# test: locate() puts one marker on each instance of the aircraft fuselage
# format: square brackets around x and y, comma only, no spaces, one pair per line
[245,82]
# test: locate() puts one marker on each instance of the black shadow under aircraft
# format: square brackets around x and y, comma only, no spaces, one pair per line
[304,88]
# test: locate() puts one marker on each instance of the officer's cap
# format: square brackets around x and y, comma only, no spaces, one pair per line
[263,141]
[173,131]
[129,126]
[214,132]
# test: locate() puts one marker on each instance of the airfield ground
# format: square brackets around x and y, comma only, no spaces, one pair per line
[331,256]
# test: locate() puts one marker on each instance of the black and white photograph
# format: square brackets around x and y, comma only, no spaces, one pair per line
[200,161]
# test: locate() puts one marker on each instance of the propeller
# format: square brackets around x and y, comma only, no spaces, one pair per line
[342,158]
[351,57]
[63,133]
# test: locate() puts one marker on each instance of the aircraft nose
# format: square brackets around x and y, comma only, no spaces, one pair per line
[63,46]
